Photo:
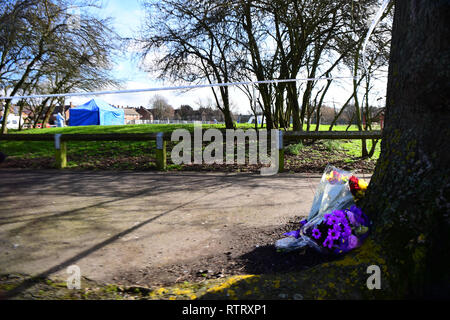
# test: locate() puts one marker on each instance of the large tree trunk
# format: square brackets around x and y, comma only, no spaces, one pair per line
[409,195]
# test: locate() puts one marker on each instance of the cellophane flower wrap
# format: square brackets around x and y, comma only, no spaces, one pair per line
[335,223]
[333,193]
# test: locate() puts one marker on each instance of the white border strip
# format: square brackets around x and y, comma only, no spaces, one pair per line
[81,94]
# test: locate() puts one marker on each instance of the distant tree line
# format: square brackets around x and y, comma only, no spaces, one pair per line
[162,110]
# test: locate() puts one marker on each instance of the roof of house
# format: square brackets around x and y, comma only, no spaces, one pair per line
[145,113]
[131,112]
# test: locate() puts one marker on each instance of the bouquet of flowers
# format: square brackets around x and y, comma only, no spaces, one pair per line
[332,193]
[335,224]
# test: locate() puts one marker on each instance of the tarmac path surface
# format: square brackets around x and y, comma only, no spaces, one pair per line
[110,222]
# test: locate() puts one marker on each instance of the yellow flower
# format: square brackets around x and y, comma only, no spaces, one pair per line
[362,184]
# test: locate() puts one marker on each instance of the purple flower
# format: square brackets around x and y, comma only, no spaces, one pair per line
[347,231]
[344,221]
[359,216]
[356,210]
[339,214]
[351,217]
[337,228]
[334,233]
[328,243]
[316,234]
[353,242]
[343,246]
[341,217]
[332,220]
[295,234]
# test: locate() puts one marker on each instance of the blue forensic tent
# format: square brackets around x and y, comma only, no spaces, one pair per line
[96,112]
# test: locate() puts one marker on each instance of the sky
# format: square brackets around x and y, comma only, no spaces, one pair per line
[127,18]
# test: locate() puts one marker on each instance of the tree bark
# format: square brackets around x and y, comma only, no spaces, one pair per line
[408,198]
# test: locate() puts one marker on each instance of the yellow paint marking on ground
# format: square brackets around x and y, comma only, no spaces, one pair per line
[227,284]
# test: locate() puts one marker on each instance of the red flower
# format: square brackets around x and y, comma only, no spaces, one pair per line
[354,185]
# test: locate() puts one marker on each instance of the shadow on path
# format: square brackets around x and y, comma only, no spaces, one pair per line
[31,281]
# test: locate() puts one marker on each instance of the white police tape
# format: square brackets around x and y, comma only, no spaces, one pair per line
[97,93]
[371,29]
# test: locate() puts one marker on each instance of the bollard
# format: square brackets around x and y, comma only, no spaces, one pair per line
[60,152]
[161,155]
[280,152]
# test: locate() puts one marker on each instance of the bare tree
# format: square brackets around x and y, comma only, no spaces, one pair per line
[46,52]
[287,39]
[194,36]
[378,50]
[160,108]
[245,40]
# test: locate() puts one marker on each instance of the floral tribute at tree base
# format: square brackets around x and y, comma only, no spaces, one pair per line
[335,224]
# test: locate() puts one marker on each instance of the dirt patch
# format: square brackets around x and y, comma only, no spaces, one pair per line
[251,251]
[314,158]
[31,163]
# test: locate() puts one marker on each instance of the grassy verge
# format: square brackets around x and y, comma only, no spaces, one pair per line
[125,155]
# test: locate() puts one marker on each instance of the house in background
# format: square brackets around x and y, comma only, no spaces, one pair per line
[131,115]
[244,118]
[145,114]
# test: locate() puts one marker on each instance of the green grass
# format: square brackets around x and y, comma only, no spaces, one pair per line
[294,149]
[332,145]
[353,148]
[137,128]
[35,149]
[146,128]
[325,127]
[101,150]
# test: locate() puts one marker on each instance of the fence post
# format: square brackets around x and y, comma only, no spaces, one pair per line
[60,152]
[161,155]
[280,151]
